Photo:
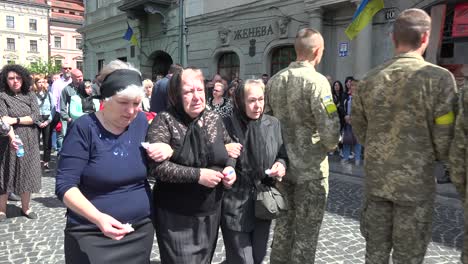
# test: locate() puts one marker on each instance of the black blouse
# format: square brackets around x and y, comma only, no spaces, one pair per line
[177,188]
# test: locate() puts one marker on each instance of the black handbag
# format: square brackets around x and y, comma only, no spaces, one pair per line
[269,203]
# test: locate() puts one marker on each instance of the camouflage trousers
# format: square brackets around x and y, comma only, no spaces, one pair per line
[404,227]
[464,257]
[297,231]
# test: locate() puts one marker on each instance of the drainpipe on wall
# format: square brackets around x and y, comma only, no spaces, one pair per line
[181,33]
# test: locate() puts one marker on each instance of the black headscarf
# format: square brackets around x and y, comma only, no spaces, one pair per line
[249,133]
[195,150]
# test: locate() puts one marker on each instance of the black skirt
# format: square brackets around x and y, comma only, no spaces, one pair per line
[87,244]
[184,239]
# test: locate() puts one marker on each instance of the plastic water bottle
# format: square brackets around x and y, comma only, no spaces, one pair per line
[20,151]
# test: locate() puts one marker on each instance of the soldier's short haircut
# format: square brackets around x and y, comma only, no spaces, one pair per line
[409,27]
[306,40]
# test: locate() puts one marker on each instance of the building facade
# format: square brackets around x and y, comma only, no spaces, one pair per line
[64,41]
[247,38]
[154,23]
[24,31]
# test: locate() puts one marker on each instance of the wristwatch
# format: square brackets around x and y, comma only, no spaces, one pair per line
[17,120]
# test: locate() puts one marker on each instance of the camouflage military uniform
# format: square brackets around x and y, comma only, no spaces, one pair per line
[403,113]
[459,160]
[301,99]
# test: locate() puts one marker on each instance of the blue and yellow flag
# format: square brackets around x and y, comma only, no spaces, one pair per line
[130,36]
[366,10]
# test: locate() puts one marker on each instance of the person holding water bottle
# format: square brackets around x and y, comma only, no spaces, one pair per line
[20,168]
[261,157]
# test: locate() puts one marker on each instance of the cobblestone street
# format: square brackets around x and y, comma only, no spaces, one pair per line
[41,240]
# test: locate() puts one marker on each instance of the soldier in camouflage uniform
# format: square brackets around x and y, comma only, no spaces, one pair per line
[459,160]
[301,99]
[403,113]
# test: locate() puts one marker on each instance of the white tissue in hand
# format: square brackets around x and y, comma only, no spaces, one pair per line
[268,172]
[128,227]
[145,145]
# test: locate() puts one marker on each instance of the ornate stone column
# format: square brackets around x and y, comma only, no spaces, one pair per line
[362,49]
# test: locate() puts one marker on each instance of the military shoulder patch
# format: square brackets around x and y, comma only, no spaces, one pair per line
[446,119]
[329,104]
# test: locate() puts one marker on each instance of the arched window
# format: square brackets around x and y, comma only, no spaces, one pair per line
[281,57]
[228,66]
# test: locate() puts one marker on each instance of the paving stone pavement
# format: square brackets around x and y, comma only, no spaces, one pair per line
[41,241]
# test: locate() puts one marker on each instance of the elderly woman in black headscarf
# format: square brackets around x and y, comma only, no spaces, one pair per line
[245,236]
[102,176]
[190,185]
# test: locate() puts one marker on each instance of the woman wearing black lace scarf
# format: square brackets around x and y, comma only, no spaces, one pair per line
[262,151]
[189,186]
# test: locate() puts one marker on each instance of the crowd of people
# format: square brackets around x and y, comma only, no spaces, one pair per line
[212,146]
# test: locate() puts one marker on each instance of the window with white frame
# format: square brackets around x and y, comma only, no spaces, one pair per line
[57,42]
[11,44]
[33,45]
[32,24]
[79,41]
[10,21]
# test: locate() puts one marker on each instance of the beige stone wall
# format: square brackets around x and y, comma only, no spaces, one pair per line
[22,34]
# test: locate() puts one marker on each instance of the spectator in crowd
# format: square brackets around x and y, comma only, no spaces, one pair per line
[405,129]
[265,78]
[56,90]
[83,101]
[56,117]
[338,99]
[19,109]
[145,103]
[347,87]
[261,147]
[219,103]
[46,114]
[101,176]
[190,185]
[349,140]
[301,99]
[232,90]
[159,97]
[67,92]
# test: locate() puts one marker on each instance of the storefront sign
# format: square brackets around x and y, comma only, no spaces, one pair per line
[253,32]
[460,21]
[343,49]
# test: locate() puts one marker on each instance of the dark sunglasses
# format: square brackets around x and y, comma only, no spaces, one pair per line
[67,68]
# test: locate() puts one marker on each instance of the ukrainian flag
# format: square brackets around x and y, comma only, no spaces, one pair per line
[130,36]
[366,10]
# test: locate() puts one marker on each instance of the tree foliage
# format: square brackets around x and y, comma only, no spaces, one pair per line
[44,67]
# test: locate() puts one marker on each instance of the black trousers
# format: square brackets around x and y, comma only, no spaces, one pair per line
[46,133]
[186,239]
[87,244]
[247,247]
